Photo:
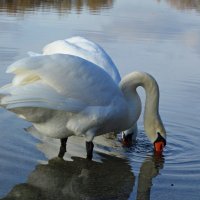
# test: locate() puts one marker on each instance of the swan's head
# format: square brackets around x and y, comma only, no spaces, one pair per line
[159,143]
[156,133]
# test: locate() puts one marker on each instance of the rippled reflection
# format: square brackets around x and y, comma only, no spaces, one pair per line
[149,169]
[184,4]
[14,6]
[80,179]
[83,179]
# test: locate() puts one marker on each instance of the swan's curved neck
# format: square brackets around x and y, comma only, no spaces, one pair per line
[129,85]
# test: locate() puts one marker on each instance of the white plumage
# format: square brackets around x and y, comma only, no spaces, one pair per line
[83,48]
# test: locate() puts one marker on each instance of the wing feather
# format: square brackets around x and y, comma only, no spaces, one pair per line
[83,48]
[38,94]
[58,81]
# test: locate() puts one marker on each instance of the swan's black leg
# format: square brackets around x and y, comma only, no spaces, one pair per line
[63,143]
[89,149]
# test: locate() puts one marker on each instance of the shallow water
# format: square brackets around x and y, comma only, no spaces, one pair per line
[160,37]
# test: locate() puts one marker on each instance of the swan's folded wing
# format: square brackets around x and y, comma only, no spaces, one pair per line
[83,48]
[76,46]
[37,95]
[95,54]
[70,76]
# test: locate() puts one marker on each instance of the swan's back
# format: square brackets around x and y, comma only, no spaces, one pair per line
[83,48]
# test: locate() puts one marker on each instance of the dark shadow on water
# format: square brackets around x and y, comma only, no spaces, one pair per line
[80,179]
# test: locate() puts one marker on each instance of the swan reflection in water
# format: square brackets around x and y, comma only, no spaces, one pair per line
[81,179]
[149,169]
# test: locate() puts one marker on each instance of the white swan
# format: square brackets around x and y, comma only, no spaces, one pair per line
[64,95]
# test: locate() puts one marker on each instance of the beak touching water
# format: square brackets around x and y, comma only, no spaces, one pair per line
[159,144]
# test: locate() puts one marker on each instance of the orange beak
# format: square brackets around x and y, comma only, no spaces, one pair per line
[159,146]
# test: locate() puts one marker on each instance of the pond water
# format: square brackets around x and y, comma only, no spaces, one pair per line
[161,37]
